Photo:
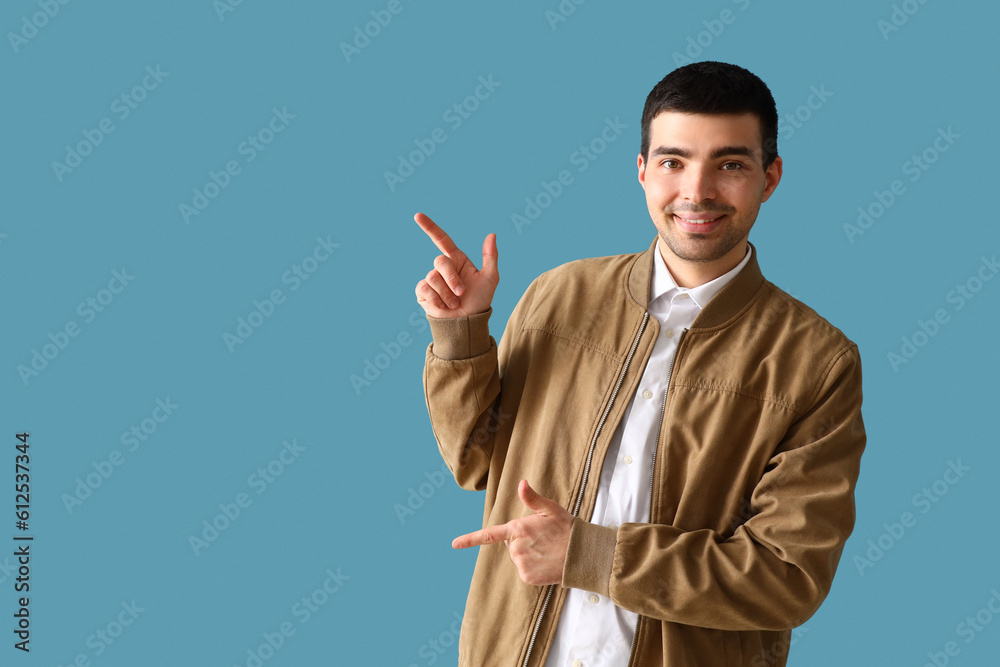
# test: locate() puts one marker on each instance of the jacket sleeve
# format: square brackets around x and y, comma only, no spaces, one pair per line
[463,376]
[777,568]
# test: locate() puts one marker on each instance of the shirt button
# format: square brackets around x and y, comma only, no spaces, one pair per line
[627,459]
[613,526]
[595,599]
[577,663]
[647,394]
[669,333]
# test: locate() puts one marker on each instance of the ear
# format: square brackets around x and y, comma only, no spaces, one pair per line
[771,179]
[642,171]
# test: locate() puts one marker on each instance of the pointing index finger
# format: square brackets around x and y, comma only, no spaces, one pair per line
[490,535]
[438,236]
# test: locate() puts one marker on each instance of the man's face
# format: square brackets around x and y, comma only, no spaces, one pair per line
[704,183]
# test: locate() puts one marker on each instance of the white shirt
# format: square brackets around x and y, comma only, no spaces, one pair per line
[593,631]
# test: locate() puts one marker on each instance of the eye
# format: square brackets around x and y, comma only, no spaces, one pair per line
[736,166]
[669,163]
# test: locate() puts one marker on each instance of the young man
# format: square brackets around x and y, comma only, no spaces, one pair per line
[668,442]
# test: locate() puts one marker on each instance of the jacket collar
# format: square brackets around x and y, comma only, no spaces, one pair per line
[723,306]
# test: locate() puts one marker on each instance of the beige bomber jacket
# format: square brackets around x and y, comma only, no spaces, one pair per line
[754,471]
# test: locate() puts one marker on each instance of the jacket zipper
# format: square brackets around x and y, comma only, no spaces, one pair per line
[652,468]
[586,474]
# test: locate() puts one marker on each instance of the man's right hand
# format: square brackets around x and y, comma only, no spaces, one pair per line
[455,287]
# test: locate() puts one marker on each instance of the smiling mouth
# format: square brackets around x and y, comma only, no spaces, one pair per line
[697,221]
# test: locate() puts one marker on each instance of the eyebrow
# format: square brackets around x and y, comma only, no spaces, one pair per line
[722,151]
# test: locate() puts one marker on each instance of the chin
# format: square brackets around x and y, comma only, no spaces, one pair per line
[694,250]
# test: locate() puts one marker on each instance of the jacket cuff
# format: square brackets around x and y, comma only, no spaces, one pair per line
[460,337]
[589,557]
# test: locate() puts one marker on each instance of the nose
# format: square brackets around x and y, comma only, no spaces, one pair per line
[698,184]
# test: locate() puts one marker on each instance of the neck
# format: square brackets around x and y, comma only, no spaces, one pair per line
[690,274]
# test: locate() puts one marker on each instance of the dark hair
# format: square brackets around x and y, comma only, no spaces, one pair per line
[714,88]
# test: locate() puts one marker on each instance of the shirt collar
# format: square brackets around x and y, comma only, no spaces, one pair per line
[664,283]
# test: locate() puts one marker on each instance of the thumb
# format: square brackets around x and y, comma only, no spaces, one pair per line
[490,257]
[532,499]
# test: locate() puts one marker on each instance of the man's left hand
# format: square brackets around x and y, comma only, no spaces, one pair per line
[536,544]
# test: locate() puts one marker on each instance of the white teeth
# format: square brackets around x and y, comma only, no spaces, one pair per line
[698,222]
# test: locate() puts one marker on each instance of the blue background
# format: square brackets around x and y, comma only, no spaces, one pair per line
[367,449]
